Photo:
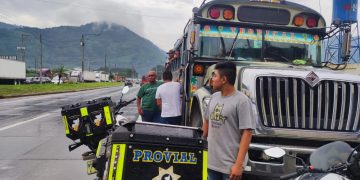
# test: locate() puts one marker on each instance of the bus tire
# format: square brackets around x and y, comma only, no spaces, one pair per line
[195,117]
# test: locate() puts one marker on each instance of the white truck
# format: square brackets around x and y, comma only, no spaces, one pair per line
[89,76]
[104,77]
[75,76]
[12,71]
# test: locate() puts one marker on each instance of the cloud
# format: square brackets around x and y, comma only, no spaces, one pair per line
[49,13]
[161,21]
[164,19]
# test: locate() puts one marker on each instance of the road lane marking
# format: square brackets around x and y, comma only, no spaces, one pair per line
[24,122]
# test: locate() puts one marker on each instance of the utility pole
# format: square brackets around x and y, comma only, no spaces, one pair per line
[82,44]
[133,71]
[157,73]
[35,64]
[105,63]
[115,71]
[22,48]
[41,59]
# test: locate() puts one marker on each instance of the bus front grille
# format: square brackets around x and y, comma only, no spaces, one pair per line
[292,103]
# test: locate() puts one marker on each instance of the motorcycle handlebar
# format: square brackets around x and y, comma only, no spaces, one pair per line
[132,100]
[304,170]
[123,104]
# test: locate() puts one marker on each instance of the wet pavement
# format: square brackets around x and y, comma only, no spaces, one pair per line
[32,136]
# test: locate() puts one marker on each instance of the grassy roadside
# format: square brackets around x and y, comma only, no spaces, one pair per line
[34,89]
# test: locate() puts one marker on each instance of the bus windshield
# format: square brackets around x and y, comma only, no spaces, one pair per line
[250,44]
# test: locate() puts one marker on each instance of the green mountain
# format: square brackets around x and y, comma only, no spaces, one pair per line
[7,26]
[61,46]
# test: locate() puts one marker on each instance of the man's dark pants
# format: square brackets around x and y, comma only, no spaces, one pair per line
[151,116]
[171,120]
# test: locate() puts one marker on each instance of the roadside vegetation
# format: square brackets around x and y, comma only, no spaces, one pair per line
[34,89]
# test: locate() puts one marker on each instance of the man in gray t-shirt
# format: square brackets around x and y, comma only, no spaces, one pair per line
[228,126]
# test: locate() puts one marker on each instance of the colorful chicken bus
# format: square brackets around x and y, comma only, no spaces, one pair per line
[299,104]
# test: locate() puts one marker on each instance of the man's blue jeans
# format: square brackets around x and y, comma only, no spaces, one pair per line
[151,116]
[215,175]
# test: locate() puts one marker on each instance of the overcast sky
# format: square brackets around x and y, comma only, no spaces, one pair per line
[161,21]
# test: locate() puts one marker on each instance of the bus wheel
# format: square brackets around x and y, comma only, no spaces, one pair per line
[196,119]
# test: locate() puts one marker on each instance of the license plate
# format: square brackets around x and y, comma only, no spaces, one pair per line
[90,169]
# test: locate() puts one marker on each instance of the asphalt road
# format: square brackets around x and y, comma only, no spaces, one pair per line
[33,144]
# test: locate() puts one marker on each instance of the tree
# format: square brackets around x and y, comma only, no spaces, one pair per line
[30,73]
[60,71]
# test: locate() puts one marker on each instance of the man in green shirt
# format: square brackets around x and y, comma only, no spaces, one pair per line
[146,102]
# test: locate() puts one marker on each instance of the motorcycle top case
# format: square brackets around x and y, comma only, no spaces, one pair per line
[156,152]
[86,119]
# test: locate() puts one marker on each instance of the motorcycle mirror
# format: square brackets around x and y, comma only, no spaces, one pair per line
[275,152]
[125,90]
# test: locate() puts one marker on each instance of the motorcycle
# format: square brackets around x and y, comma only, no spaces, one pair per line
[333,161]
[120,142]
[97,162]
[92,123]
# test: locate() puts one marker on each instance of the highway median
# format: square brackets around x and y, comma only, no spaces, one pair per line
[8,91]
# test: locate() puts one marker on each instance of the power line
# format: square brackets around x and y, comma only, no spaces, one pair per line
[63,41]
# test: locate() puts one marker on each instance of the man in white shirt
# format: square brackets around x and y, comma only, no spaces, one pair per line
[169,101]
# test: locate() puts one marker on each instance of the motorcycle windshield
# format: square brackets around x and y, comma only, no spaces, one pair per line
[329,155]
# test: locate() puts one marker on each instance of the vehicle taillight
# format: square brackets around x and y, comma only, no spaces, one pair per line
[228,14]
[298,20]
[214,13]
[311,22]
